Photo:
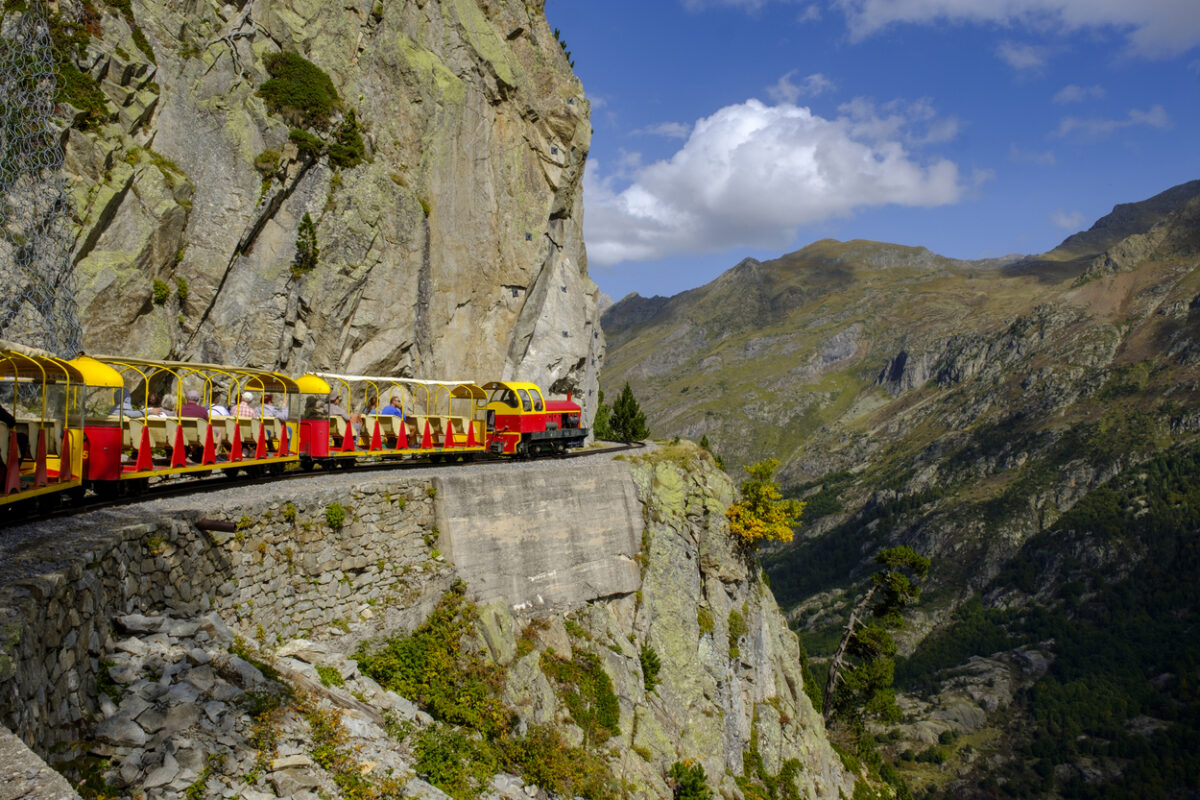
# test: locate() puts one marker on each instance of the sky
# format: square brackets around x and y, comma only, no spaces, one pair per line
[977,128]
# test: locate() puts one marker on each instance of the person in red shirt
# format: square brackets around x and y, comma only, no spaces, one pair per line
[192,407]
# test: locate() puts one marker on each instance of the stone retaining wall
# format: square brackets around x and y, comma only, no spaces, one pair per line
[285,573]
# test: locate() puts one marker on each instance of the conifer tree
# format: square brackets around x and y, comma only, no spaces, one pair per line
[861,671]
[600,427]
[627,421]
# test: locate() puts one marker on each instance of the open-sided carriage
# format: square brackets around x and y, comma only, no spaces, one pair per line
[43,436]
[201,423]
[435,418]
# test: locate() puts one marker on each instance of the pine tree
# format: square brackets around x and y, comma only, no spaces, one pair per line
[861,671]
[306,247]
[627,421]
[600,425]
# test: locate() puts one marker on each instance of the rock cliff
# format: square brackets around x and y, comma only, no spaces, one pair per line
[437,148]
[159,659]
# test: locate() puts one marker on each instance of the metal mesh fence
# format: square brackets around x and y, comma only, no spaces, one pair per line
[37,299]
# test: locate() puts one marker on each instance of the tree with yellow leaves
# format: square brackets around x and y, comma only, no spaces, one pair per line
[763,514]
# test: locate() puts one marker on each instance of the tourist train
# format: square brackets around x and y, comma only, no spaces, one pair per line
[111,424]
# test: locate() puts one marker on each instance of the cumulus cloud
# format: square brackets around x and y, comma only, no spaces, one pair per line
[1154,117]
[669,130]
[1023,57]
[785,91]
[752,174]
[1077,94]
[1068,220]
[1153,28]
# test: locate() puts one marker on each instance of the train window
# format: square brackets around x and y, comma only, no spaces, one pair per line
[525,404]
[537,401]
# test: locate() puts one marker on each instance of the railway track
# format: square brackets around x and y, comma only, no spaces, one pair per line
[176,486]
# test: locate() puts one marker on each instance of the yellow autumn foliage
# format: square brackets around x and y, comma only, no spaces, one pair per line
[763,514]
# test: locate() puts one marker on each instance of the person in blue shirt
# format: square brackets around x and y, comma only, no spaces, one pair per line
[394,407]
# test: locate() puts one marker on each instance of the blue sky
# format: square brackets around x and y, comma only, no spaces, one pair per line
[976,128]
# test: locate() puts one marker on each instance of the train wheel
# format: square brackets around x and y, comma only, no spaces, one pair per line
[307,464]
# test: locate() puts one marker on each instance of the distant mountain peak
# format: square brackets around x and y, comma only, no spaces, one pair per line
[1125,220]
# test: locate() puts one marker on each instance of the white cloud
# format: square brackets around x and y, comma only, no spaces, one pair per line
[1068,220]
[784,91]
[915,123]
[1077,94]
[1022,56]
[753,174]
[1154,117]
[669,130]
[1153,28]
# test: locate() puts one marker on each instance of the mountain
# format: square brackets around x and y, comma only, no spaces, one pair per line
[1026,423]
[436,147]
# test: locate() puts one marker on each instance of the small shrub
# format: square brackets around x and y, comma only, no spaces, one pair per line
[161,292]
[347,149]
[181,290]
[306,143]
[454,762]
[587,691]
[542,758]
[330,676]
[688,781]
[307,251]
[289,512]
[651,666]
[267,161]
[335,515]
[737,629]
[298,89]
[704,619]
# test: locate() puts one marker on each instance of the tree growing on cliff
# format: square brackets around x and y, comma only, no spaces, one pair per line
[600,427]
[861,670]
[306,247]
[627,422]
[763,514]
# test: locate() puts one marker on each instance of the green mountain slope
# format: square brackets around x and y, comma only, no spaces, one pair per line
[963,408]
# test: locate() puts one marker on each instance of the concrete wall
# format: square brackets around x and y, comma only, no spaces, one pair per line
[544,534]
[554,537]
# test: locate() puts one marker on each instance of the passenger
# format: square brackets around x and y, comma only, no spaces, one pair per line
[126,408]
[244,409]
[168,406]
[218,408]
[192,407]
[336,410]
[154,405]
[271,410]
[394,407]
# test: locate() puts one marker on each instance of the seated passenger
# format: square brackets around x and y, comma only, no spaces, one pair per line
[192,407]
[244,409]
[218,408]
[154,404]
[271,410]
[394,407]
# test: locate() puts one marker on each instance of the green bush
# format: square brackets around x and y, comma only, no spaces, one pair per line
[737,629]
[431,667]
[161,292]
[587,691]
[688,781]
[330,676]
[335,515]
[181,290]
[306,143]
[298,90]
[542,758]
[347,149]
[307,252]
[458,764]
[651,666]
[704,619]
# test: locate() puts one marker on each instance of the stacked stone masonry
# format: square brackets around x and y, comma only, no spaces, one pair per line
[282,575]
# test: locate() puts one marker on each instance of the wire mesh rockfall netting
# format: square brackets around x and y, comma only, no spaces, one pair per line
[37,300]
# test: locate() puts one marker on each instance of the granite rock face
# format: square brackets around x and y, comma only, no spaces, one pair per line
[453,249]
